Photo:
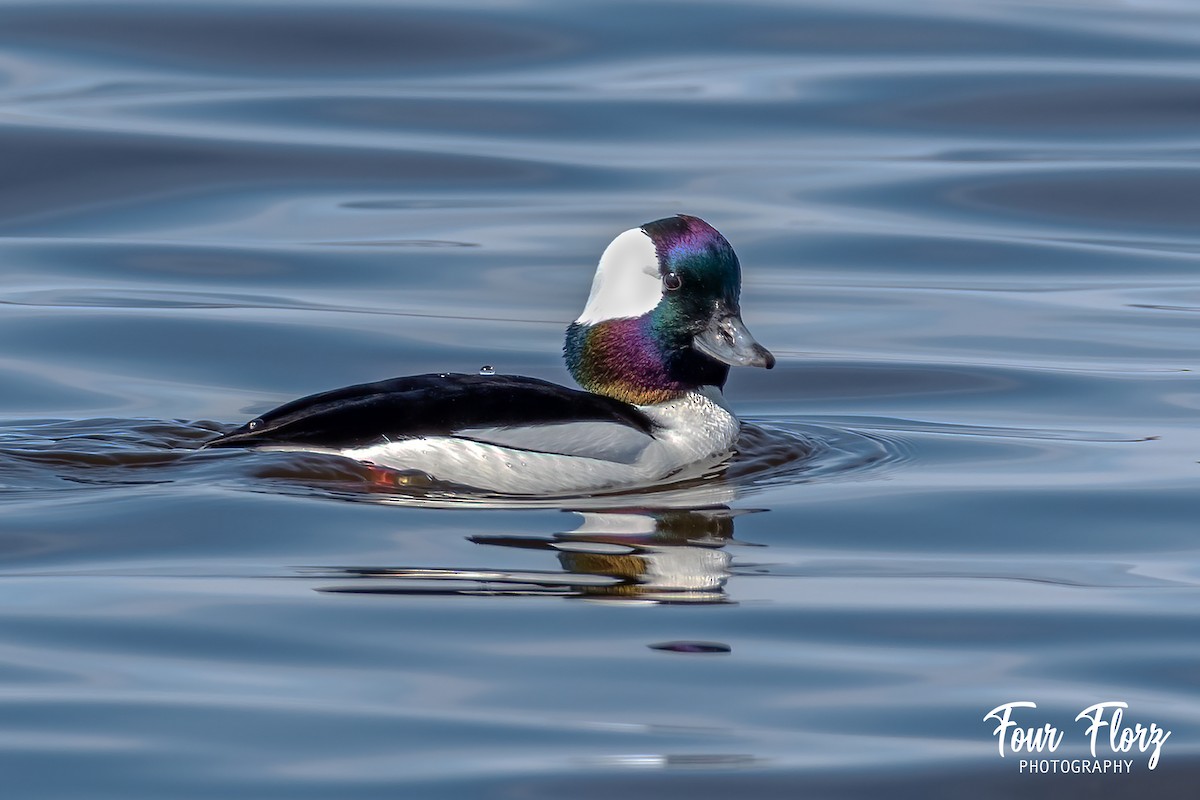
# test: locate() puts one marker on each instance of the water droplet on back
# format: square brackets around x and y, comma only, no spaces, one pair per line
[487,369]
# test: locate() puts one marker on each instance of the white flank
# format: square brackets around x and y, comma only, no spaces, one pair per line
[627,282]
[695,432]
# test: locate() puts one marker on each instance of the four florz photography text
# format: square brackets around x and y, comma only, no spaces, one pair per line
[1120,739]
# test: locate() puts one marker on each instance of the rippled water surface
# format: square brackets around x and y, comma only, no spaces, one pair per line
[969,231]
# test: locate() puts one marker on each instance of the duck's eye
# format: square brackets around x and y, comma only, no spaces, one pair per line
[672,281]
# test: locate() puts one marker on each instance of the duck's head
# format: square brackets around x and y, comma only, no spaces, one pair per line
[663,316]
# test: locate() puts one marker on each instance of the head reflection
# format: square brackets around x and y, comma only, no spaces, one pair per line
[663,555]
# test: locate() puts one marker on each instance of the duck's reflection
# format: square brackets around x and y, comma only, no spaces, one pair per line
[640,555]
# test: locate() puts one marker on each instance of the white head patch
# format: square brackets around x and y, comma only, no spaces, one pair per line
[627,283]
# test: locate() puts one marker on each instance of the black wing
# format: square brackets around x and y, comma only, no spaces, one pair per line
[426,405]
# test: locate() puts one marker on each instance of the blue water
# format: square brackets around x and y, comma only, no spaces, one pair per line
[969,231]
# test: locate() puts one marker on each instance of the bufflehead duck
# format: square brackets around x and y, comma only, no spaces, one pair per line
[652,349]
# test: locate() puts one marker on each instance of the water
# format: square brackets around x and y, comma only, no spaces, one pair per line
[968,231]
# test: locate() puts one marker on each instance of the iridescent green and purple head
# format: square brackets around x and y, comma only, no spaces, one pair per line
[663,316]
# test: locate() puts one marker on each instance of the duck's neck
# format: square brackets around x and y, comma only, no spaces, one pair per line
[637,361]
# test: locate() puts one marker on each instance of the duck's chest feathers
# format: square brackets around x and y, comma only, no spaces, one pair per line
[694,426]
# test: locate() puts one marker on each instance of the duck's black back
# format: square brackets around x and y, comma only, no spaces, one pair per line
[427,405]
